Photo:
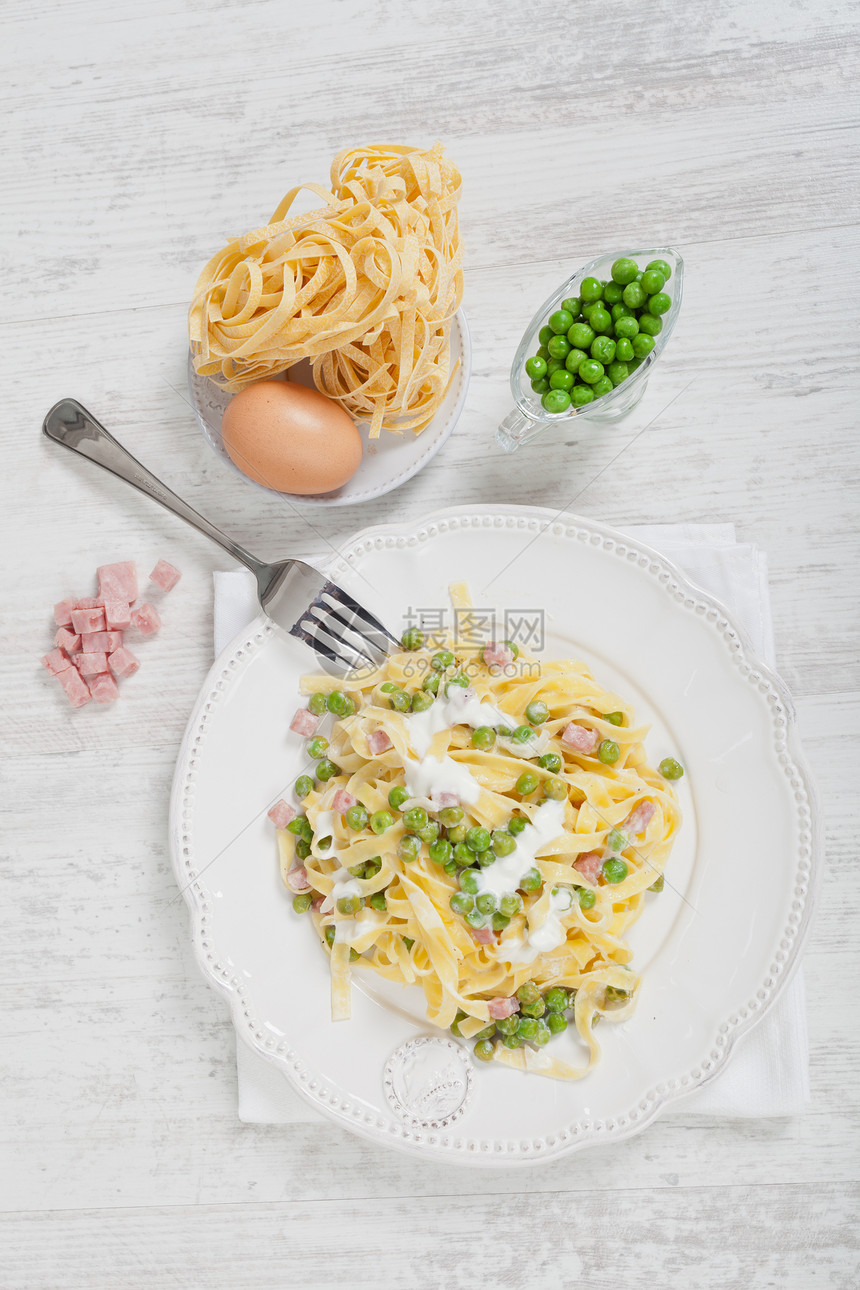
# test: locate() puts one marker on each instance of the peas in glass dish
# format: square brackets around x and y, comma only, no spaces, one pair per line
[555,401]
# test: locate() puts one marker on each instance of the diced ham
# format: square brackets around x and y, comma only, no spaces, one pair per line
[117,614]
[297,879]
[76,688]
[444,799]
[342,801]
[88,620]
[304,722]
[281,814]
[483,935]
[638,818]
[103,688]
[99,642]
[90,602]
[378,742]
[67,641]
[56,662]
[501,1007]
[118,581]
[497,654]
[63,612]
[164,575]
[317,903]
[122,662]
[91,664]
[580,738]
[589,865]
[146,619]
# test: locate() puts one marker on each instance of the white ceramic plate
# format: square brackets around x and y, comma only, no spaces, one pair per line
[388,461]
[715,948]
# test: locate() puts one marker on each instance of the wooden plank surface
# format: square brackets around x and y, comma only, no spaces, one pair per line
[137,138]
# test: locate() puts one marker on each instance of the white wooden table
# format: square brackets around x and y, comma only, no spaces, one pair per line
[137,138]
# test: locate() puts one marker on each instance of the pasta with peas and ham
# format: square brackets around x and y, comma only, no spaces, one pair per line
[486,827]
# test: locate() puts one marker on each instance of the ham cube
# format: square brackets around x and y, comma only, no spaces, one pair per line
[304,722]
[67,641]
[589,865]
[501,1007]
[117,614]
[164,575]
[443,800]
[90,602]
[122,662]
[88,620]
[63,612]
[317,903]
[639,817]
[99,642]
[91,664]
[281,814]
[297,879]
[580,738]
[342,801]
[378,742]
[483,935]
[146,619]
[103,688]
[55,662]
[118,581]
[497,654]
[76,688]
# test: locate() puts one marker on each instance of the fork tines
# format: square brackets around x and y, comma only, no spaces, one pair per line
[342,631]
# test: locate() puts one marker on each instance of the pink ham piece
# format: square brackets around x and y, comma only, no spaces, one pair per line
[55,662]
[342,801]
[304,722]
[165,576]
[483,935]
[63,612]
[297,880]
[118,581]
[67,641]
[497,654]
[90,602]
[317,903]
[103,688]
[117,614]
[146,619]
[501,1007]
[445,799]
[91,664]
[639,817]
[580,738]
[589,866]
[88,620]
[122,662]
[378,742]
[281,814]
[76,688]
[99,642]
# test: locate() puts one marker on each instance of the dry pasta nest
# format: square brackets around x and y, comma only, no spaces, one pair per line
[365,287]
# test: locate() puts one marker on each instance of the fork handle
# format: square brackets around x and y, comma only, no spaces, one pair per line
[71,425]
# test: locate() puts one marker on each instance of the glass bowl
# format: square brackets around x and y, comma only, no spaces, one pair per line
[529,417]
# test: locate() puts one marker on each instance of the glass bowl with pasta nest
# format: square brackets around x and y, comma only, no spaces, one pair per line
[504,896]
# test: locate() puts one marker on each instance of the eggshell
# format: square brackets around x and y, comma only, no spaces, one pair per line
[291,438]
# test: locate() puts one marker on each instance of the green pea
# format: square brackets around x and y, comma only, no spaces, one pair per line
[601,387]
[614,870]
[556,999]
[327,770]
[620,311]
[412,638]
[516,824]
[555,789]
[441,660]
[461,902]
[545,334]
[469,881]
[642,345]
[303,849]
[531,880]
[554,365]
[555,401]
[587,898]
[634,297]
[603,349]
[455,1024]
[542,352]
[372,866]
[356,870]
[508,1025]
[400,701]
[451,816]
[485,858]
[302,903]
[573,360]
[528,992]
[324,843]
[527,783]
[329,934]
[408,942]
[650,325]
[600,319]
[429,833]
[559,347]
[522,734]
[478,838]
[460,681]
[317,704]
[349,905]
[527,1028]
[475,918]
[559,321]
[590,289]
[340,704]
[624,350]
[457,832]
[590,371]
[612,292]
[483,737]
[441,852]
[626,328]
[536,1009]
[301,827]
[357,816]
[317,746]
[388,687]
[661,266]
[450,868]
[556,1023]
[463,855]
[616,840]
[624,270]
[616,995]
[652,282]
[658,884]
[431,680]
[408,849]
[670,768]
[561,380]
[512,1041]
[573,305]
[398,796]
[381,820]
[608,752]
[536,368]
[415,818]
[421,701]
[537,712]
[487,1033]
[486,903]
[304,785]
[617,372]
[659,304]
[580,336]
[510,904]
[484,1050]
[503,843]
[550,761]
[499,922]
[541,386]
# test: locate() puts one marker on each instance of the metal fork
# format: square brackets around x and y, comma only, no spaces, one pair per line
[295,595]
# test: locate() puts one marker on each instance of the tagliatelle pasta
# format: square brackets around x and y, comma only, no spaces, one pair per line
[365,286]
[491,839]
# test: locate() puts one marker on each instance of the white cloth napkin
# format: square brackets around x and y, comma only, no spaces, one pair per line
[769,1073]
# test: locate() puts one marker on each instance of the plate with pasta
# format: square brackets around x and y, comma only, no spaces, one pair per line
[483,901]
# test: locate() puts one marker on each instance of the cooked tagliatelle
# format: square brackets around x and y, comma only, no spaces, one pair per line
[365,286]
[487,827]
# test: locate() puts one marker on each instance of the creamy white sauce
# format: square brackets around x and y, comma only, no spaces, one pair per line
[505,874]
[461,707]
[343,885]
[433,775]
[550,934]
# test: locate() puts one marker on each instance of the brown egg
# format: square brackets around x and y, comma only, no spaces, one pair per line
[291,438]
